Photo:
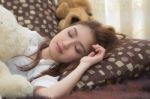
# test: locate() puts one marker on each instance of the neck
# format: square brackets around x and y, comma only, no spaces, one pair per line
[46,54]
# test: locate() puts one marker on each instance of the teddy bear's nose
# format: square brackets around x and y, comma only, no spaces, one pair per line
[74,20]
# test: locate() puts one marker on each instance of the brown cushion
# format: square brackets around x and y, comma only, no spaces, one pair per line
[129,60]
[37,15]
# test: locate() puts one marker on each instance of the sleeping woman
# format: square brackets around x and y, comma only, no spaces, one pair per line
[85,42]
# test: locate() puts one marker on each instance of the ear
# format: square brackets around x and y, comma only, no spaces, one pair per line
[62,10]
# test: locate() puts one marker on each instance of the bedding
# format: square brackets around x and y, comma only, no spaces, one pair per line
[129,61]
[131,89]
[37,15]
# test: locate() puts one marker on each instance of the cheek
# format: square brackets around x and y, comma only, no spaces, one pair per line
[70,56]
[52,47]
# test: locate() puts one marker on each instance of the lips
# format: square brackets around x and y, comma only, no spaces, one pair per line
[59,47]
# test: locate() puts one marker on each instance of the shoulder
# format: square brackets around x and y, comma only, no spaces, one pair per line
[45,81]
[19,61]
[42,66]
[35,40]
[35,37]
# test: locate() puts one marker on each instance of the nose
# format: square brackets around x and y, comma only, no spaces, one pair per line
[68,43]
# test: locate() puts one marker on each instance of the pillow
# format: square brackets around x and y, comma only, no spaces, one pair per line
[37,15]
[129,60]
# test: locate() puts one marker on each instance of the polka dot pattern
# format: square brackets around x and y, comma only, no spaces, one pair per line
[37,15]
[129,60]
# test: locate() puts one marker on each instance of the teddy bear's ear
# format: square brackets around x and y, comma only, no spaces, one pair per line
[62,10]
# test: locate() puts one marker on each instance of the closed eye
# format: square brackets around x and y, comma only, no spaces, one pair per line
[70,35]
[78,50]
[74,33]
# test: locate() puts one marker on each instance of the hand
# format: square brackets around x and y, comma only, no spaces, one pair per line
[94,57]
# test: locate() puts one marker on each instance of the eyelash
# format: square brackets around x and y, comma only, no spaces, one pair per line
[75,46]
[77,50]
[70,34]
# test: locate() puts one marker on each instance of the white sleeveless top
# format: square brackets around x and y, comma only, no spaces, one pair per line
[44,64]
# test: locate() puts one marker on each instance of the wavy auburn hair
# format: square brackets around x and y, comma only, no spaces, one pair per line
[105,36]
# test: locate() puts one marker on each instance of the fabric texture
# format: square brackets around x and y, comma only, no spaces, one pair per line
[45,81]
[130,18]
[133,89]
[44,64]
[37,15]
[128,61]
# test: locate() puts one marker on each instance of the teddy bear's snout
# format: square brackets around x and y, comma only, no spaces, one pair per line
[74,20]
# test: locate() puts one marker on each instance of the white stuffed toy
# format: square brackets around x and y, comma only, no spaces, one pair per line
[13,41]
[12,86]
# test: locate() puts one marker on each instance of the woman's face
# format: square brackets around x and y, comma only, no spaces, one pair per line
[71,43]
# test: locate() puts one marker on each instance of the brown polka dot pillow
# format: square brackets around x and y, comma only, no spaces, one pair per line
[129,60]
[37,15]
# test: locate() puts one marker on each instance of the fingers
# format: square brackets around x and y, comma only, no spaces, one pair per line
[100,51]
[98,48]
[92,53]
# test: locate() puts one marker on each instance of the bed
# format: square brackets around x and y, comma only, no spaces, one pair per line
[123,75]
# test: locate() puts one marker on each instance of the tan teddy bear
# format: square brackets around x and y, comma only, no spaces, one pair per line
[72,11]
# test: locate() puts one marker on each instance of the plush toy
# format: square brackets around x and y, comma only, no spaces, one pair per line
[13,41]
[72,11]
[12,86]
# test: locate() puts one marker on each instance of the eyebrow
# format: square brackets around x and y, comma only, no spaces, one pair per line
[76,33]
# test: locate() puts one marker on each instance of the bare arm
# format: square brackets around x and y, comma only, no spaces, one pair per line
[65,86]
